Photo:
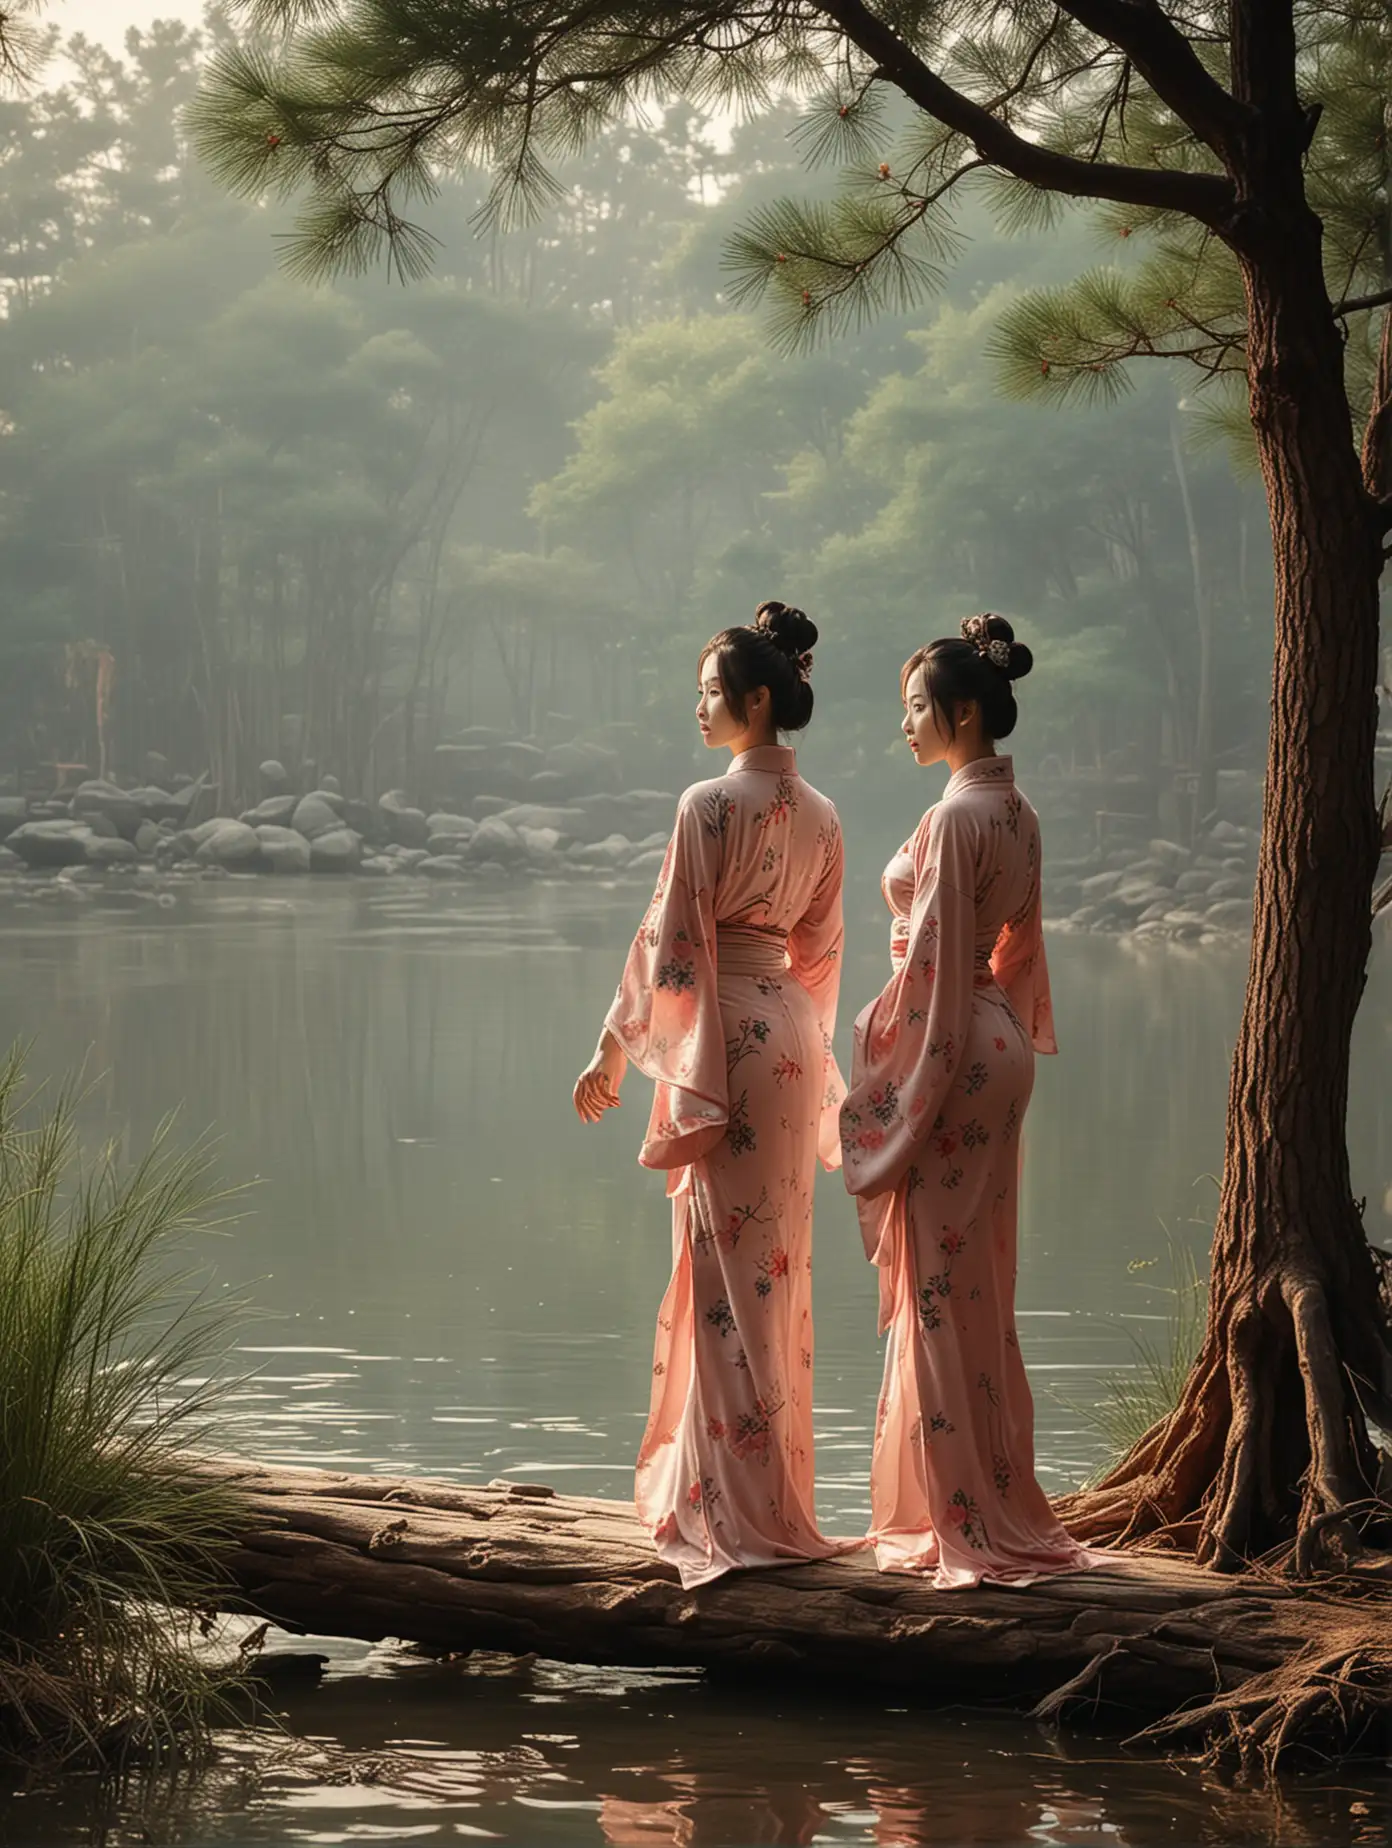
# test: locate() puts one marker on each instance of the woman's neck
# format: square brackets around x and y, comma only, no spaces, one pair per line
[962,752]
[751,742]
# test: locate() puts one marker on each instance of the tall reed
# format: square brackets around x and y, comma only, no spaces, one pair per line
[111,1352]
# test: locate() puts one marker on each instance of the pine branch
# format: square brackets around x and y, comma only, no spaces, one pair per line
[1167,61]
[1376,454]
[1204,196]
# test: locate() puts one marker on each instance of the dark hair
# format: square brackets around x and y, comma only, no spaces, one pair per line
[979,665]
[774,651]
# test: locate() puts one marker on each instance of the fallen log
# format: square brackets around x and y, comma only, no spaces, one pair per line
[1204,1658]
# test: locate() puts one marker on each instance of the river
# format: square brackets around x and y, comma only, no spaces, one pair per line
[450,1275]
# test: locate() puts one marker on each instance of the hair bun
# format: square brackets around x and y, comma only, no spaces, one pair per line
[994,640]
[1020,662]
[791,631]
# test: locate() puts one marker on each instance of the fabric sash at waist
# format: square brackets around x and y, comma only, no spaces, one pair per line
[744,949]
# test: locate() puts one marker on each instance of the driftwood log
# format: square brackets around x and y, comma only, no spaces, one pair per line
[1197,1659]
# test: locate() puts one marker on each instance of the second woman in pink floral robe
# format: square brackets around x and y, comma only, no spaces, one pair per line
[728,1001]
[944,1066]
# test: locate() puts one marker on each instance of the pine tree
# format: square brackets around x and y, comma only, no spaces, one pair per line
[1247,141]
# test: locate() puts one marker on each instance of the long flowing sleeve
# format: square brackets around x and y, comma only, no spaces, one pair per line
[666,1013]
[1019,966]
[814,958]
[909,1041]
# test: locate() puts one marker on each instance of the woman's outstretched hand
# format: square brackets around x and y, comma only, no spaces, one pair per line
[597,1087]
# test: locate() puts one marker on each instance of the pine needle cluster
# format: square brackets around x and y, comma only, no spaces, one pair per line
[357,108]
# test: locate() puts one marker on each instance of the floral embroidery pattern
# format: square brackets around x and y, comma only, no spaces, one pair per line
[754,1430]
[782,804]
[786,1068]
[975,1078]
[964,1514]
[772,1269]
[721,1316]
[740,1135]
[679,972]
[751,1035]
[935,1292]
[719,807]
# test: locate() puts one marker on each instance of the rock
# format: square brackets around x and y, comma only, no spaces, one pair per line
[565,820]
[229,844]
[1100,885]
[616,850]
[442,822]
[147,838]
[1156,913]
[494,839]
[157,767]
[1182,919]
[317,813]
[283,850]
[157,804]
[52,843]
[272,812]
[1231,888]
[14,812]
[541,843]
[330,786]
[546,785]
[484,806]
[9,862]
[1229,832]
[402,823]
[338,851]
[584,765]
[378,866]
[275,778]
[1084,917]
[361,817]
[103,827]
[1196,881]
[1231,914]
[102,797]
[521,760]
[410,859]
[1136,895]
[1170,853]
[441,866]
[106,852]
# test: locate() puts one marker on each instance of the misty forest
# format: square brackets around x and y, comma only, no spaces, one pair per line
[362,526]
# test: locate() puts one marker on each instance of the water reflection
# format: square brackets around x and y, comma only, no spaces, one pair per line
[452,1276]
[393,1748]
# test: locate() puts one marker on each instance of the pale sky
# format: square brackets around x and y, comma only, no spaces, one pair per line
[108,20]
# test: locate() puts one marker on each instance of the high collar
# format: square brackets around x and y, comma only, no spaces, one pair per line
[781,759]
[999,770]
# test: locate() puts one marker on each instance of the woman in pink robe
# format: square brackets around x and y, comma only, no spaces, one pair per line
[728,1001]
[930,1132]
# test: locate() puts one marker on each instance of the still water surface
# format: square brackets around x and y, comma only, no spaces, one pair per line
[452,1276]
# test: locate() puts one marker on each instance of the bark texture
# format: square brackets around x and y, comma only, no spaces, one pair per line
[1270,1438]
[520,1569]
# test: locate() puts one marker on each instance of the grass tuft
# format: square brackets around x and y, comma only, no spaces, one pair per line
[111,1357]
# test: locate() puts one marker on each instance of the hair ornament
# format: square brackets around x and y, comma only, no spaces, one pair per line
[977,631]
[803,665]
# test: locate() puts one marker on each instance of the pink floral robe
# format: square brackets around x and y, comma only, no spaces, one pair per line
[930,1132]
[728,1001]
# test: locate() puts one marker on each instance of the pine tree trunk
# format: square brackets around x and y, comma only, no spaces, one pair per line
[1269,1435]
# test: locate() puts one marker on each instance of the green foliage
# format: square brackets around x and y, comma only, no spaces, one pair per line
[110,1360]
[1135,1399]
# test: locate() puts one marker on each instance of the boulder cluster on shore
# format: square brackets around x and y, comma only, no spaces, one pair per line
[1164,892]
[103,829]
